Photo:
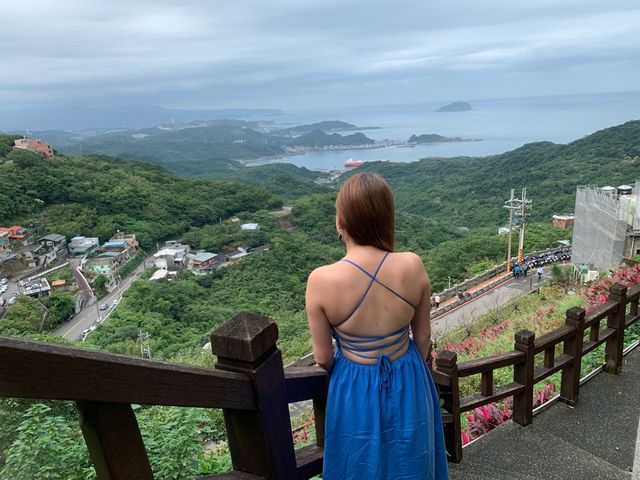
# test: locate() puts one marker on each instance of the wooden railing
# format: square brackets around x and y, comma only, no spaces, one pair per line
[251,386]
[534,359]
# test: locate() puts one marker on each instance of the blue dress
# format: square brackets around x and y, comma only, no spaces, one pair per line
[382,420]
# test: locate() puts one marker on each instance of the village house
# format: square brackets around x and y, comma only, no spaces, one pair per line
[563,221]
[38,288]
[34,145]
[130,239]
[53,241]
[4,241]
[15,232]
[172,257]
[83,245]
[161,274]
[250,226]
[121,247]
[204,262]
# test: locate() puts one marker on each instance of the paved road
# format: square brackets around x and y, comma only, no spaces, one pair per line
[91,314]
[482,304]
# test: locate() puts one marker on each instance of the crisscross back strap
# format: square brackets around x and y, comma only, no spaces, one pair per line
[372,279]
[375,279]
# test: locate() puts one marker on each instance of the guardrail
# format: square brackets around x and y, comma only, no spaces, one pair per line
[251,386]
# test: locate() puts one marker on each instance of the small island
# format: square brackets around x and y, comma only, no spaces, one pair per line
[435,138]
[456,107]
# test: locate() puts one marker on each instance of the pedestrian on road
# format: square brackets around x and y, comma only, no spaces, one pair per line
[539,271]
[436,299]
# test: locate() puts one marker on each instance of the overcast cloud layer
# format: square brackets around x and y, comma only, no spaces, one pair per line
[296,54]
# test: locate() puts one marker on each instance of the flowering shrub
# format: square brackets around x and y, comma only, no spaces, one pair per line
[487,417]
[598,293]
[471,345]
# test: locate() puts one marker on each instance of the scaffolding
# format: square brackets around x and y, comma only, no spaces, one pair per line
[599,232]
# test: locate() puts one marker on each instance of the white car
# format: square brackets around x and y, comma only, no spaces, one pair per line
[3,281]
[104,306]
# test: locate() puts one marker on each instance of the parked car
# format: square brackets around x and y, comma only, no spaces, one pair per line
[12,299]
[104,306]
[3,281]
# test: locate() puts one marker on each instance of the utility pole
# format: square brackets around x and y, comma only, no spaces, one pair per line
[510,204]
[145,349]
[513,205]
[524,203]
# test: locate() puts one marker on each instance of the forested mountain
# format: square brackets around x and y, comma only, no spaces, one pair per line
[326,126]
[210,150]
[94,195]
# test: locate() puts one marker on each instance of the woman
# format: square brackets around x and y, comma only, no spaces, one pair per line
[383,418]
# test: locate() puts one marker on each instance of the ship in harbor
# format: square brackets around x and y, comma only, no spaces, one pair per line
[351,163]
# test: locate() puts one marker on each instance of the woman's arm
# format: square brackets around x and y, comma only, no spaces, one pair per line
[318,322]
[421,322]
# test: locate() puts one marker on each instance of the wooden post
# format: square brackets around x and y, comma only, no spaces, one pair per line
[114,441]
[260,441]
[447,363]
[570,383]
[615,320]
[523,374]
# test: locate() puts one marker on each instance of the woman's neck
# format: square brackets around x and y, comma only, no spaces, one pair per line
[353,248]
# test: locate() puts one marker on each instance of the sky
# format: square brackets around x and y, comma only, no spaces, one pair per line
[298,54]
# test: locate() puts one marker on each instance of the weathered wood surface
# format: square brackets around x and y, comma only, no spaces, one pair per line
[40,370]
[260,441]
[573,348]
[114,441]
[553,338]
[523,375]
[305,383]
[471,367]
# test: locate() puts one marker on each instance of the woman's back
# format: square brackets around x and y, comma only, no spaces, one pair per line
[373,296]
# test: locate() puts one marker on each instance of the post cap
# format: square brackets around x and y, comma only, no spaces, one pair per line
[525,337]
[576,313]
[618,290]
[244,337]
[446,359]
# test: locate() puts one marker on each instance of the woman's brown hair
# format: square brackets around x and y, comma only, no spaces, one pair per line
[365,208]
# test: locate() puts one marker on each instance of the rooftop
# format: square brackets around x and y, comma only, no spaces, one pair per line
[250,226]
[116,243]
[204,256]
[53,237]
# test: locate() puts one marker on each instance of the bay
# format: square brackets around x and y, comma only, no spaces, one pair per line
[500,124]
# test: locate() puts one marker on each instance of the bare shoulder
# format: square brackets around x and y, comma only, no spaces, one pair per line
[322,275]
[414,266]
[411,260]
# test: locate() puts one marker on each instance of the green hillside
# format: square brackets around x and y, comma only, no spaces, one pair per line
[94,195]
[470,191]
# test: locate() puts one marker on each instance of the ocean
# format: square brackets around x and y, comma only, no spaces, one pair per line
[500,124]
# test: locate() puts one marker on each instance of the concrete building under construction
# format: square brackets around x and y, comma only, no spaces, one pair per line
[607,226]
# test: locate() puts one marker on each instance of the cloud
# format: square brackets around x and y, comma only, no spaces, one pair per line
[281,53]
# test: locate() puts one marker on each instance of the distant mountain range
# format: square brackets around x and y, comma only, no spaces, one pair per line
[127,116]
[210,149]
[326,126]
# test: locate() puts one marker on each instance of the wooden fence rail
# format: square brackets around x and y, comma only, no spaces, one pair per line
[254,390]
